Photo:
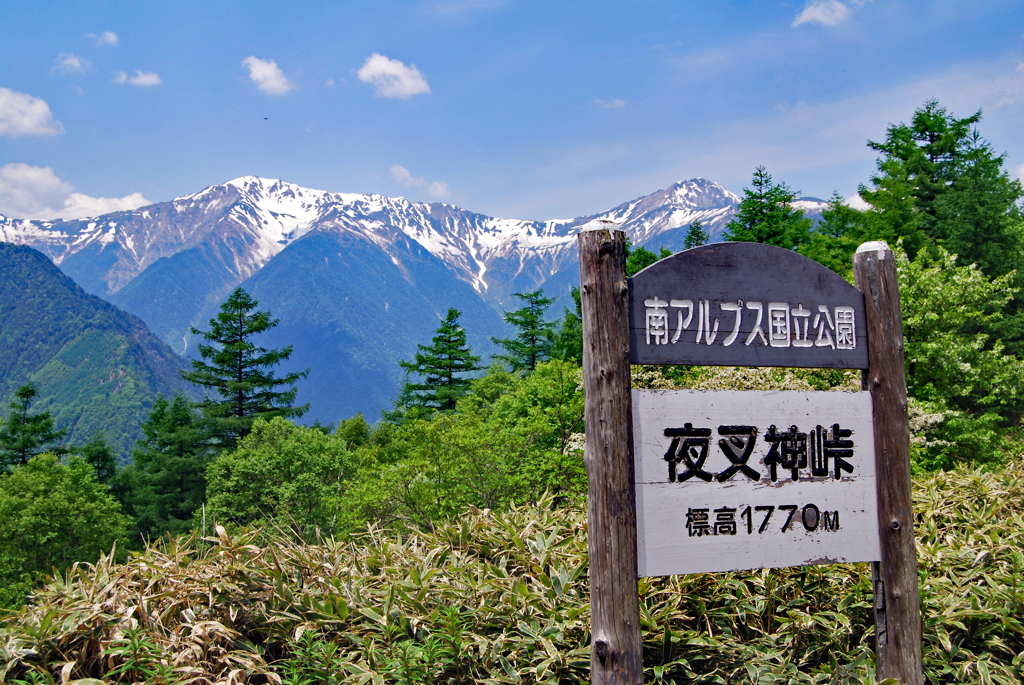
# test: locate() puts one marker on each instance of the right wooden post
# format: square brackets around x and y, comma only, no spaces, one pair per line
[897,602]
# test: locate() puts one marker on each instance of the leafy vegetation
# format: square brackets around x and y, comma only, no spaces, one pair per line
[447,543]
[443,366]
[502,596]
[95,368]
[240,372]
[24,435]
[52,515]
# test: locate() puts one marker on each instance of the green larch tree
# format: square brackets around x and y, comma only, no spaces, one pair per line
[240,372]
[696,235]
[166,482]
[766,215]
[535,337]
[23,435]
[443,368]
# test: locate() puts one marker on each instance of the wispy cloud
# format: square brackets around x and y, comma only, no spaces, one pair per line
[610,104]
[68,64]
[267,76]
[392,78]
[140,78]
[436,189]
[827,12]
[25,115]
[31,192]
[105,38]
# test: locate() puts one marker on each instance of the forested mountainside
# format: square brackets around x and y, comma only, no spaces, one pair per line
[356,279]
[96,368]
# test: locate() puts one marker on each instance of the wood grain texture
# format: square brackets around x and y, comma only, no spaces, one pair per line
[616,657]
[668,543]
[724,274]
[898,618]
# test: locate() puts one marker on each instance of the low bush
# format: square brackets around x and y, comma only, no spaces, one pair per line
[503,598]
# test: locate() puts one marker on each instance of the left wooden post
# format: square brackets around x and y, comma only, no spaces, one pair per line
[615,650]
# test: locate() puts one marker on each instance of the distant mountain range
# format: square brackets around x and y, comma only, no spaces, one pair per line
[357,280]
[96,367]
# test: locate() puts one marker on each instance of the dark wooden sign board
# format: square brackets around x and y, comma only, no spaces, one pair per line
[737,304]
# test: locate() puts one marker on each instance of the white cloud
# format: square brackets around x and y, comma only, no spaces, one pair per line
[141,78]
[267,76]
[436,189]
[610,104]
[25,115]
[1018,172]
[857,202]
[827,12]
[392,78]
[31,192]
[68,64]
[105,38]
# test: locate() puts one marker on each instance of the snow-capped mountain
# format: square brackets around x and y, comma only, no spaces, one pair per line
[255,218]
[360,278]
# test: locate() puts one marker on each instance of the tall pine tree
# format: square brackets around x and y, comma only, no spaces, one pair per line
[916,166]
[535,337]
[696,235]
[24,435]
[166,482]
[240,372]
[443,367]
[766,215]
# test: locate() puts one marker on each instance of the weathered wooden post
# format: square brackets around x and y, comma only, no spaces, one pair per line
[615,653]
[897,610]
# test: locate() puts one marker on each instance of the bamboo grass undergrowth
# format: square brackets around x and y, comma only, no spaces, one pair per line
[502,597]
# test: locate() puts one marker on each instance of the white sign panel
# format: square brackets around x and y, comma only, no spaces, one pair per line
[729,480]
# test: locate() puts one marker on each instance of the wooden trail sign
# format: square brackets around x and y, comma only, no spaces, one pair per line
[712,494]
[687,481]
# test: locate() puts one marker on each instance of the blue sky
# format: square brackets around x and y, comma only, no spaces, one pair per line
[528,110]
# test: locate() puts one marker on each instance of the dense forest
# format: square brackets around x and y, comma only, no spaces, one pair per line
[447,542]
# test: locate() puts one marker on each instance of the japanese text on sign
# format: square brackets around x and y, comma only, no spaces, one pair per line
[728,480]
[787,326]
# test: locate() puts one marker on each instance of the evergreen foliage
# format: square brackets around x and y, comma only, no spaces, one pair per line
[696,235]
[24,435]
[836,237]
[443,367]
[100,455]
[51,516]
[240,372]
[96,368]
[917,163]
[766,215]
[535,338]
[166,483]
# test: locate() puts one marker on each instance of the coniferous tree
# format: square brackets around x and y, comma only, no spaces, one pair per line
[766,215]
[917,164]
[242,373]
[696,236]
[443,368]
[535,338]
[100,456]
[977,216]
[835,238]
[24,435]
[166,482]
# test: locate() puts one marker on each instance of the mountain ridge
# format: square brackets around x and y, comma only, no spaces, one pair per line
[173,263]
